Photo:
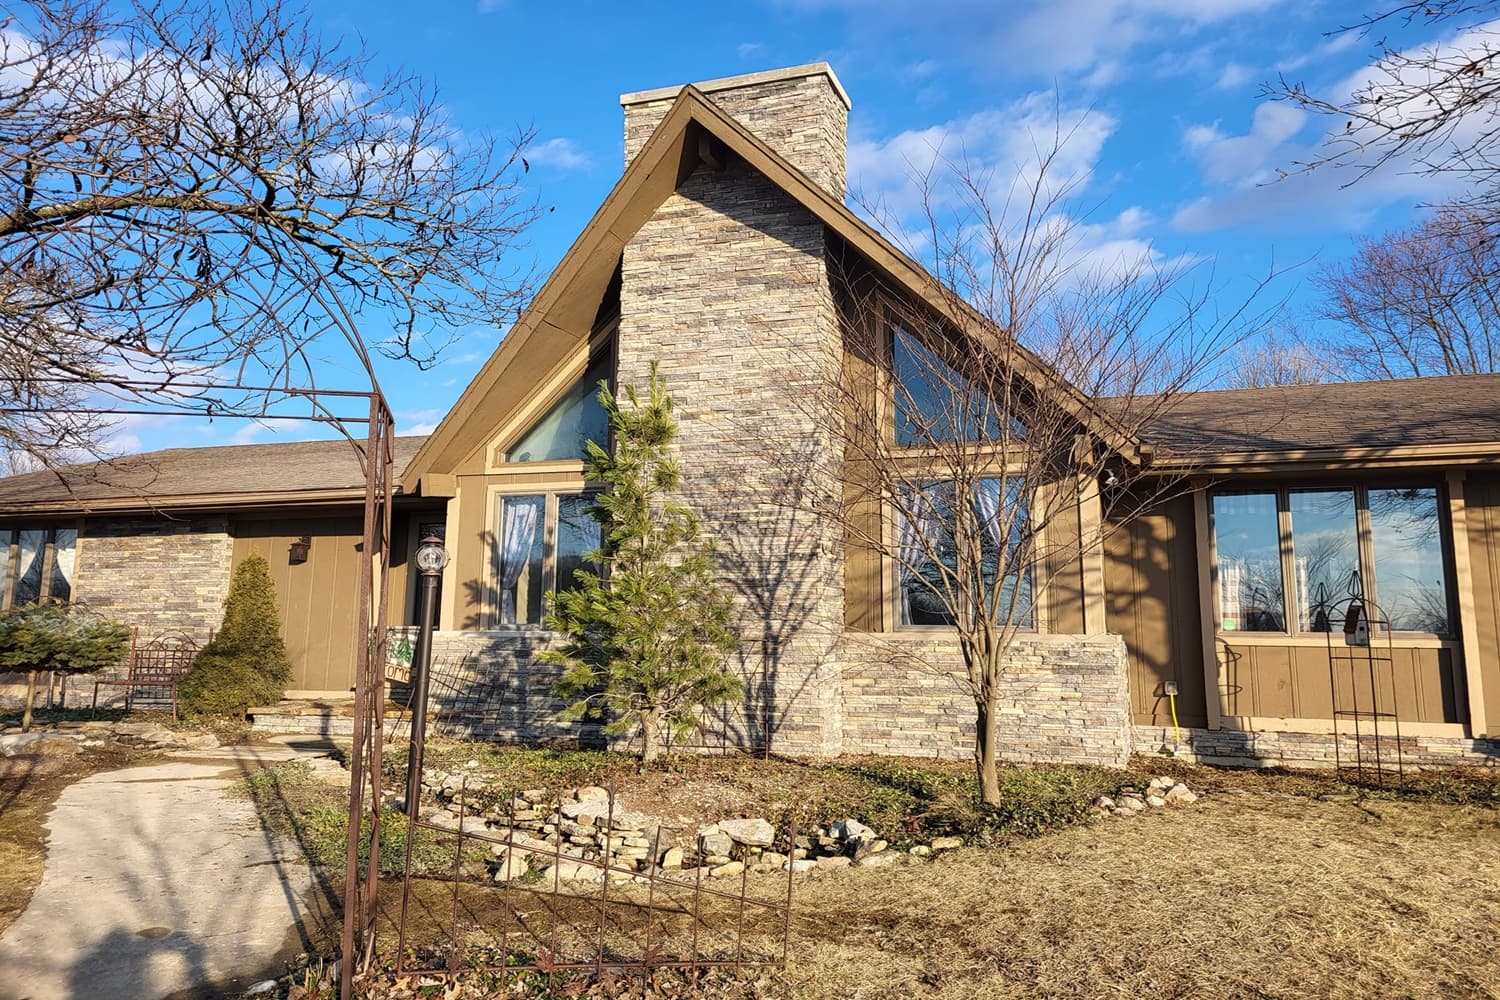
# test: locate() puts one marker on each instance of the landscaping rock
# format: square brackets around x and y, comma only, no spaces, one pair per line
[569,871]
[852,829]
[833,861]
[1155,801]
[947,843]
[716,843]
[511,864]
[1132,803]
[882,860]
[262,988]
[920,851]
[1180,794]
[751,832]
[1104,802]
[672,858]
[727,870]
[802,865]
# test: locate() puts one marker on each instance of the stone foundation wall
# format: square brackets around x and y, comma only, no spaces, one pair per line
[492,685]
[1236,748]
[1065,699]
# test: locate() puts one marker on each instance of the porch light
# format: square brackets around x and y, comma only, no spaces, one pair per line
[297,553]
[431,556]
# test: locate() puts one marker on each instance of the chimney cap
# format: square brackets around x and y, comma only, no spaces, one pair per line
[743,80]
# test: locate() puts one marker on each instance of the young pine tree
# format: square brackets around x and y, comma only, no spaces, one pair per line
[647,637]
[52,636]
[246,663]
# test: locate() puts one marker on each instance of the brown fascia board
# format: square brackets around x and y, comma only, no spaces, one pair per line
[197,502]
[564,308]
[563,312]
[1347,459]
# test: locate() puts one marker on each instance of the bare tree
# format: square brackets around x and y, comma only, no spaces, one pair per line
[1279,356]
[200,191]
[974,431]
[1420,301]
[1437,106]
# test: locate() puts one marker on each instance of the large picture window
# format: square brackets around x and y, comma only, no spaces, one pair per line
[541,541]
[934,403]
[565,430]
[37,563]
[1288,560]
[931,574]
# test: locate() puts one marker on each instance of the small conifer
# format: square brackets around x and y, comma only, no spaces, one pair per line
[646,638]
[246,663]
[57,637]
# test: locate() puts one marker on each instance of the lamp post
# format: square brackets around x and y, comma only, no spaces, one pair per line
[431,558]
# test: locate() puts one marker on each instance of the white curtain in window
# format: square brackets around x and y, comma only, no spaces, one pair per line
[911,536]
[519,533]
[987,500]
[64,556]
[29,568]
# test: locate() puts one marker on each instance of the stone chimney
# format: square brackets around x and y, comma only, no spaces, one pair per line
[802,112]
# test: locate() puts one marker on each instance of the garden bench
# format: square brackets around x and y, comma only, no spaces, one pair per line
[154,672]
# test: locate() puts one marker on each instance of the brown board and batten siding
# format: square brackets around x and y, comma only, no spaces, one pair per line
[1151,588]
[318,599]
[1482,497]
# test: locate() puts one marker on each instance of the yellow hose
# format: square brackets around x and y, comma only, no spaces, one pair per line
[1176,729]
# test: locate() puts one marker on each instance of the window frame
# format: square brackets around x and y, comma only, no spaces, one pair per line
[1365,551]
[604,340]
[49,559]
[892,586]
[550,493]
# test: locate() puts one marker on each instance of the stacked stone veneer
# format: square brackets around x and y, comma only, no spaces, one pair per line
[155,575]
[492,685]
[1063,699]
[802,113]
[1237,748]
[728,287]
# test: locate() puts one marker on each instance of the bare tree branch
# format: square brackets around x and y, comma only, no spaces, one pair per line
[197,191]
[1420,301]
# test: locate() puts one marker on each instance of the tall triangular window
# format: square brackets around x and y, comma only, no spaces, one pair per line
[564,431]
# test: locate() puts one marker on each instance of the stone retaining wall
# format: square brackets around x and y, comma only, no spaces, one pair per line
[1237,748]
[1065,699]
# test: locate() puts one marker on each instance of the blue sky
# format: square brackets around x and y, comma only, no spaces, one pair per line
[1176,145]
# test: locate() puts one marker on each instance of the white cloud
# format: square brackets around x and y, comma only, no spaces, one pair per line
[747,49]
[490,6]
[998,145]
[1087,40]
[1252,177]
[1234,75]
[560,154]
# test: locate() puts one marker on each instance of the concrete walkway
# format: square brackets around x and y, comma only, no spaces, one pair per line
[158,884]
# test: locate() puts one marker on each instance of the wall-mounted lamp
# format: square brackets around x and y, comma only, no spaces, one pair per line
[297,553]
[1110,480]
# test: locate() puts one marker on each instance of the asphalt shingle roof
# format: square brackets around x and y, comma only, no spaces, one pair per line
[1445,410]
[180,472]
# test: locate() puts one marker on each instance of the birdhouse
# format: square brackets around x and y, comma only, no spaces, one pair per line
[1356,625]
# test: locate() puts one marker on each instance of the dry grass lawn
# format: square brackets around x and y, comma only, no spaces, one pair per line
[1249,893]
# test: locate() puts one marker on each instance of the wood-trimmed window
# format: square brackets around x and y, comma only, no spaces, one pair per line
[1288,559]
[541,540]
[37,563]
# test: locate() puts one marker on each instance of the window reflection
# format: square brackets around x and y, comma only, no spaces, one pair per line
[1325,555]
[578,535]
[935,404]
[929,548]
[1249,564]
[1411,579]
